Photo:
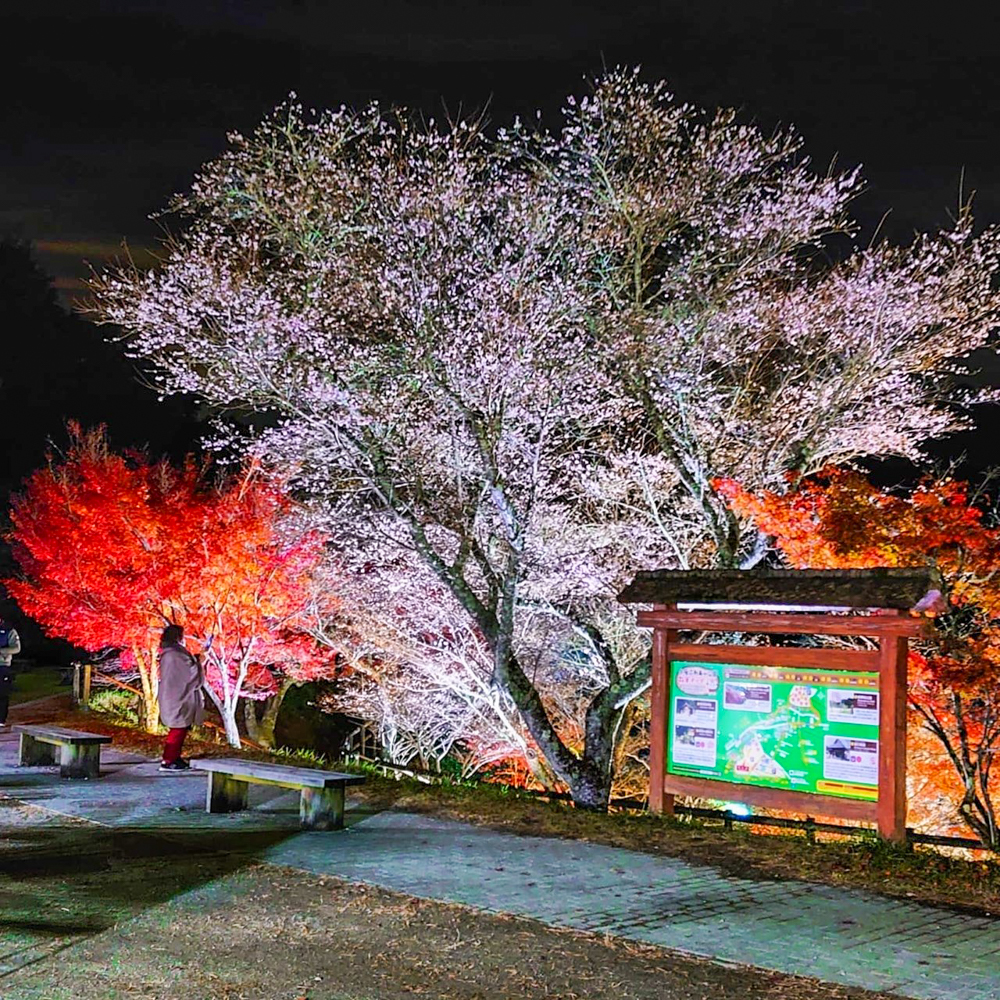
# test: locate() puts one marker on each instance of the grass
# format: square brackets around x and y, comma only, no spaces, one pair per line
[38,682]
[861,861]
[117,705]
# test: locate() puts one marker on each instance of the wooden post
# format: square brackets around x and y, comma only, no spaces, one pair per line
[35,753]
[82,674]
[88,672]
[80,760]
[322,808]
[892,738]
[659,717]
[225,793]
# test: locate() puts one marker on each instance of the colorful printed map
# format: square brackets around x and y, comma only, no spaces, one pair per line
[801,729]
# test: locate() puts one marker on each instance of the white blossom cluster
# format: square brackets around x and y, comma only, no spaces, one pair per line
[516,360]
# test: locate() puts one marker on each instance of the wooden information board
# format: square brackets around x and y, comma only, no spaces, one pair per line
[818,730]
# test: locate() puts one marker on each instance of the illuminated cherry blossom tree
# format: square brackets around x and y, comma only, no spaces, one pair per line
[522,357]
[422,672]
[734,343]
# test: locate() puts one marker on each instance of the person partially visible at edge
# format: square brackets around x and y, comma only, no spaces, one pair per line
[10,646]
[182,704]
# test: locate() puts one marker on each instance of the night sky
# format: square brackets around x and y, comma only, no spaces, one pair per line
[110,107]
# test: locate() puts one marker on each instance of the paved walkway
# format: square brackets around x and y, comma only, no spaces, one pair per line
[840,936]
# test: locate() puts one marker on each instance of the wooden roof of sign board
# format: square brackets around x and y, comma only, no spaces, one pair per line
[883,587]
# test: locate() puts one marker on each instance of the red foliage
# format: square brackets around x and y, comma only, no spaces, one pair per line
[113,547]
[99,539]
[249,599]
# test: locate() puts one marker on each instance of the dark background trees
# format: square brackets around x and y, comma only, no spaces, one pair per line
[56,366]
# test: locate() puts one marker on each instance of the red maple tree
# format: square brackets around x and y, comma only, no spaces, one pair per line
[113,547]
[98,539]
[838,519]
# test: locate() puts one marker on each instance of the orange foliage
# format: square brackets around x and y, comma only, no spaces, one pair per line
[247,595]
[838,519]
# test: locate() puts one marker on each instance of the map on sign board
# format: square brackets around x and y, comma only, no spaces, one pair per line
[805,730]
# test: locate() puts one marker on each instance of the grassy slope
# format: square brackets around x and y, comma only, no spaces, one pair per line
[39,682]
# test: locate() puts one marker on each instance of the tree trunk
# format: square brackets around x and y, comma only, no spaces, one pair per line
[588,776]
[541,771]
[149,709]
[592,775]
[260,725]
[227,710]
[592,789]
[231,727]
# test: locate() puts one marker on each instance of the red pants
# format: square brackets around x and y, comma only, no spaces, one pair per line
[173,744]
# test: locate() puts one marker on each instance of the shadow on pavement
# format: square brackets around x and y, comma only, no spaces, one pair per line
[62,882]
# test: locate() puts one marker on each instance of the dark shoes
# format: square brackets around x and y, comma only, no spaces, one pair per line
[175,765]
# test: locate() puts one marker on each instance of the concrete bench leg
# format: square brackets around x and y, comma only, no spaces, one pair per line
[35,753]
[226,794]
[80,761]
[322,808]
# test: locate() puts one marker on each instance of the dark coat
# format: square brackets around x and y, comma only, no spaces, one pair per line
[10,645]
[182,702]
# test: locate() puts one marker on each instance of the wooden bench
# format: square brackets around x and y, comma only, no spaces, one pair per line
[321,805]
[79,753]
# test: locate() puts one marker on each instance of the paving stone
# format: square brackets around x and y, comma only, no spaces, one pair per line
[848,937]
[837,935]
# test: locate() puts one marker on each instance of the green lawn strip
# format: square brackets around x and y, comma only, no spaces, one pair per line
[861,862]
[37,682]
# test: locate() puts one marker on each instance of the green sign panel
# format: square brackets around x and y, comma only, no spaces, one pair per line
[806,730]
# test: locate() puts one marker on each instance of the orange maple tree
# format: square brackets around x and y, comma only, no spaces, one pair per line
[113,547]
[838,519]
[249,599]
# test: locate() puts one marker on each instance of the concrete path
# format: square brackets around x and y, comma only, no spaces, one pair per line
[133,793]
[840,936]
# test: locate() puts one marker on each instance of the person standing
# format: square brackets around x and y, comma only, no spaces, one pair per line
[10,646]
[182,704]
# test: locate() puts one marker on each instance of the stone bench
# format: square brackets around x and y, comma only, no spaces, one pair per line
[321,804]
[79,753]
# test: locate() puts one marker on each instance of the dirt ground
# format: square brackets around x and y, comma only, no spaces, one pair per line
[92,914]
